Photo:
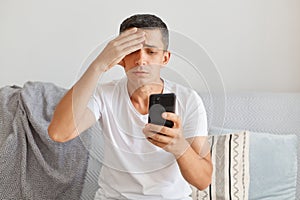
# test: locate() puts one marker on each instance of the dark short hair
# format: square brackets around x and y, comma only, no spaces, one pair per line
[147,21]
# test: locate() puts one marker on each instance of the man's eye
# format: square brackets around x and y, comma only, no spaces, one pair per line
[152,52]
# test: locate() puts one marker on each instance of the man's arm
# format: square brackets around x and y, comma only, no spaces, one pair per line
[192,154]
[71,116]
[195,163]
[72,107]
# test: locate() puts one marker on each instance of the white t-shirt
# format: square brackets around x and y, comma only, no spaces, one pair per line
[133,168]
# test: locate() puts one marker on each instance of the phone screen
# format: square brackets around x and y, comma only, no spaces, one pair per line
[159,103]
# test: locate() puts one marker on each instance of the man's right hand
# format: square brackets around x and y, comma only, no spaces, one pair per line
[127,42]
[71,115]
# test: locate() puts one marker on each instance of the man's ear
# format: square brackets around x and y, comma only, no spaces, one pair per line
[166,58]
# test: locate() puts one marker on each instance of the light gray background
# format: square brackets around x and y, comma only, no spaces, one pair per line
[255,44]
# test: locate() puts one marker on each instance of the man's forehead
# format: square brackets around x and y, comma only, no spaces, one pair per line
[153,38]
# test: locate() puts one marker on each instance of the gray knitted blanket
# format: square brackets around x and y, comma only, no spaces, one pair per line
[32,166]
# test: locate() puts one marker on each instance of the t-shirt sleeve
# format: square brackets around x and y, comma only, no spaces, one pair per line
[94,106]
[195,119]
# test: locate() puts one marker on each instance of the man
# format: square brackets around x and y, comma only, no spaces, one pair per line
[141,161]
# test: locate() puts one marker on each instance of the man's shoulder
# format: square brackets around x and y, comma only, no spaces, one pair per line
[184,95]
[179,89]
[111,84]
[110,89]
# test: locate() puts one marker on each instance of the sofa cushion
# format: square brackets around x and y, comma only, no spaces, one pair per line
[230,157]
[273,166]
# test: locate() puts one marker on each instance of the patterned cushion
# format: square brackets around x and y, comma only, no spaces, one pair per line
[230,157]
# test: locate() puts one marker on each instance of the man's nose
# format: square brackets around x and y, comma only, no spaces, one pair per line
[140,58]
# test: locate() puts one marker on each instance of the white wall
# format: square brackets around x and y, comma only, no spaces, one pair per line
[255,44]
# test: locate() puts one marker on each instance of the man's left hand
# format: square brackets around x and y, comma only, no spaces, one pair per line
[170,139]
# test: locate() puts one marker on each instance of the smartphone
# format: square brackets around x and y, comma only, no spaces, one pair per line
[159,103]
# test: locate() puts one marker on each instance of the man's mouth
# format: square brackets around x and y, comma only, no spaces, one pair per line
[140,72]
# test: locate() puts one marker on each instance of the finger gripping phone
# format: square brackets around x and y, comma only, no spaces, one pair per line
[159,103]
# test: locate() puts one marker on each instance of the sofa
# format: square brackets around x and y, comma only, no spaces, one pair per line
[272,123]
[257,133]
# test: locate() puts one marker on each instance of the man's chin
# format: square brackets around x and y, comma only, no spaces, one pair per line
[142,80]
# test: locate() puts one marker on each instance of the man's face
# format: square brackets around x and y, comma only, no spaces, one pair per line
[145,64]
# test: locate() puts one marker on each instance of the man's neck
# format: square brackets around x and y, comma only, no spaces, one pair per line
[139,96]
